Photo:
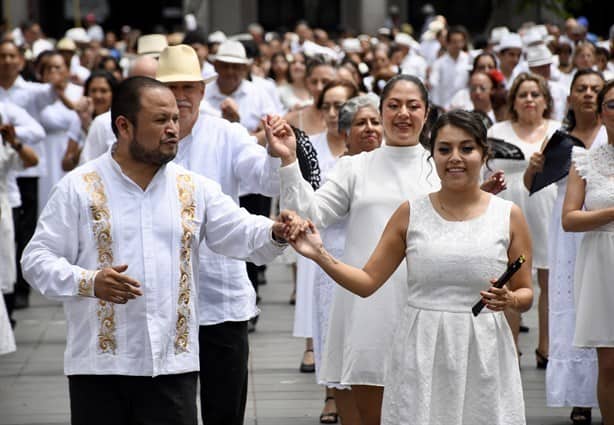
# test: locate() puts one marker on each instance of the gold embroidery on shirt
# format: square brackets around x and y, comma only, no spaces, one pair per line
[85,286]
[101,228]
[185,187]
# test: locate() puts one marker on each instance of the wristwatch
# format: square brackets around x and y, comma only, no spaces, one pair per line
[18,146]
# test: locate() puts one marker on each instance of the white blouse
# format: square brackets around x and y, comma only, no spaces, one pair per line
[97,217]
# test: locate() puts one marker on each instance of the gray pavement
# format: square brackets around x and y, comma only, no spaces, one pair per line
[33,389]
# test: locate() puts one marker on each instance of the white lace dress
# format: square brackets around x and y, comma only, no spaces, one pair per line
[448,367]
[571,376]
[305,268]
[537,208]
[594,292]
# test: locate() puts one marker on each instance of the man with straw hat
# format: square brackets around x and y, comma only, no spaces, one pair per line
[226,153]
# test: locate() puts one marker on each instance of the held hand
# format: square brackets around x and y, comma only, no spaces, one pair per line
[8,134]
[57,81]
[287,225]
[536,163]
[499,299]
[280,139]
[230,110]
[308,243]
[114,286]
[495,183]
[85,109]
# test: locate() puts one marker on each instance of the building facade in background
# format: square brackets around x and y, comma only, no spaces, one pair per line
[233,16]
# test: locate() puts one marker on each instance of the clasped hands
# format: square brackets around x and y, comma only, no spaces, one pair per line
[281,141]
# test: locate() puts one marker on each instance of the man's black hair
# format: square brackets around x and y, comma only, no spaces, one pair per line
[127,98]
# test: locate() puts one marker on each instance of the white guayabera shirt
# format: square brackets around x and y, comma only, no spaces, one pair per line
[228,155]
[97,217]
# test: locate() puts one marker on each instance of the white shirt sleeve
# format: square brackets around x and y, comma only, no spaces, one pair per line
[48,259]
[74,129]
[434,78]
[43,93]
[231,231]
[98,139]
[328,204]
[258,172]
[27,129]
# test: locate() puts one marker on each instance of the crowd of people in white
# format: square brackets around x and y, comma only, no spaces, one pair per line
[124,161]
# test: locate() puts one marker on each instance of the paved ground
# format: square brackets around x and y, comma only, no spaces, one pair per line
[33,389]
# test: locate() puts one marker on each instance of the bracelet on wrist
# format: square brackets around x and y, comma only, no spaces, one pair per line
[18,146]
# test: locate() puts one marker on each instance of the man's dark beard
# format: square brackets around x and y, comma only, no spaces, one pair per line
[153,157]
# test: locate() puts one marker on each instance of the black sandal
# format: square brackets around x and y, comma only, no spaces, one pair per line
[329,418]
[541,360]
[307,368]
[580,415]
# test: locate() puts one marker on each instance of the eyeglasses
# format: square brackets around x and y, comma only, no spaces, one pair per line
[609,105]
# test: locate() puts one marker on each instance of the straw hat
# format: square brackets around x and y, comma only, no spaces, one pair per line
[78,35]
[151,44]
[180,63]
[66,44]
[231,51]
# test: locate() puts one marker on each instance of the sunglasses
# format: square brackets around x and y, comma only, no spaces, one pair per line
[609,105]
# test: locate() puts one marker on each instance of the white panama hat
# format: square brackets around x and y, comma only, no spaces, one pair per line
[231,51]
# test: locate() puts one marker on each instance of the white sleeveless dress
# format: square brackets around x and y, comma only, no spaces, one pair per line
[593,288]
[448,367]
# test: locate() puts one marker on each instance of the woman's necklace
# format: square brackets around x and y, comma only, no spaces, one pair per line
[448,212]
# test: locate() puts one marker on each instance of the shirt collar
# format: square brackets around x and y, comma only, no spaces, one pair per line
[118,172]
[240,91]
[19,82]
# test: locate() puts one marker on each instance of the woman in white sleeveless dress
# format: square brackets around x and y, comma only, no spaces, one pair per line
[447,367]
[530,105]
[571,378]
[589,208]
